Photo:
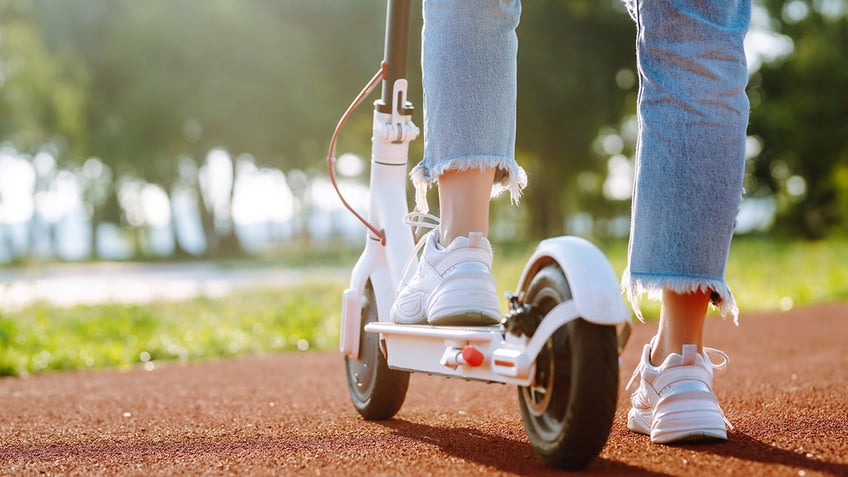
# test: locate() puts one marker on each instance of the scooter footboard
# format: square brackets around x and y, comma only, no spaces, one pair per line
[487,353]
[476,353]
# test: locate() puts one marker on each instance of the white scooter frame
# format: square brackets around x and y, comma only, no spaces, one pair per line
[485,353]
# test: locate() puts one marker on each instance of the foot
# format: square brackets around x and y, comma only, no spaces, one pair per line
[675,400]
[452,286]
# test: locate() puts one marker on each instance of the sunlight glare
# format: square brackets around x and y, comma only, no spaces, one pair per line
[156,205]
[323,196]
[216,181]
[762,43]
[17,182]
[62,197]
[261,196]
[619,183]
[795,11]
[350,165]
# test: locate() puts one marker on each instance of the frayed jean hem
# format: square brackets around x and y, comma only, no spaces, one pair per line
[509,176]
[637,284]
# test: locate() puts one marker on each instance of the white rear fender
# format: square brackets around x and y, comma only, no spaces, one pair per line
[594,285]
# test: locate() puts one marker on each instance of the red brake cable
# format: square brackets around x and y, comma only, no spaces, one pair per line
[331,156]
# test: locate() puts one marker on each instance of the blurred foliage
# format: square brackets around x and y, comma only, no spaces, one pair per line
[179,77]
[570,54]
[43,92]
[800,114]
[149,88]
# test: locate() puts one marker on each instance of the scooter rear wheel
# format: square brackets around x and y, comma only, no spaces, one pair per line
[377,392]
[569,408]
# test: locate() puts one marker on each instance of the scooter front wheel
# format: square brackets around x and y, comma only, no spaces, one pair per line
[377,391]
[569,407]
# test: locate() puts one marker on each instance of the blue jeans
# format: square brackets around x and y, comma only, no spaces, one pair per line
[692,111]
[468,60]
[690,153]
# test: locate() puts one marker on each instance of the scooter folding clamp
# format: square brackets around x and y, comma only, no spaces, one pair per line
[398,133]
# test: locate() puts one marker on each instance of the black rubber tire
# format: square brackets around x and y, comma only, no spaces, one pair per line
[377,391]
[569,424]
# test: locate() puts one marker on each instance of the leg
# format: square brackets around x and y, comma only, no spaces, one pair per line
[464,203]
[693,115]
[681,322]
[469,111]
[469,141]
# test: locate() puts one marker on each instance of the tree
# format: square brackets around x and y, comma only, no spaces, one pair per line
[569,56]
[170,80]
[799,111]
[42,93]
[177,78]
[42,99]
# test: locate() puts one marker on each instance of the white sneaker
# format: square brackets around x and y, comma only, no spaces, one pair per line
[452,286]
[675,400]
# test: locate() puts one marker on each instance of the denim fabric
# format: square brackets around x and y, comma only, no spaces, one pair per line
[690,155]
[468,62]
[692,110]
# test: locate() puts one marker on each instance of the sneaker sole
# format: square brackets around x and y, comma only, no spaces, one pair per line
[465,317]
[695,426]
[639,421]
[682,427]
[692,437]
[398,321]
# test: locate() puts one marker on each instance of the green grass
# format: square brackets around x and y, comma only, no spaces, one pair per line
[769,274]
[41,337]
[764,275]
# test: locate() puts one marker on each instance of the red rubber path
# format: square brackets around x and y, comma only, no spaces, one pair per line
[785,391]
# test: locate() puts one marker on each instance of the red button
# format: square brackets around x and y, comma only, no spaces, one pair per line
[472,356]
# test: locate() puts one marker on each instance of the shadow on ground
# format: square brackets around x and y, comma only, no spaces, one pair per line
[748,448]
[497,452]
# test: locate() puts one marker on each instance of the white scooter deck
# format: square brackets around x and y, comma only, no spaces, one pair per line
[482,353]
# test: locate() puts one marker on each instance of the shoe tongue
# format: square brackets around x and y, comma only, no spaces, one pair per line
[688,358]
[689,353]
[474,240]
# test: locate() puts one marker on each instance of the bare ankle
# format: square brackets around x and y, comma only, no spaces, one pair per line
[681,322]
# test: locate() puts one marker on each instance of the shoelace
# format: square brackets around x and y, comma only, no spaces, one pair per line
[419,220]
[724,360]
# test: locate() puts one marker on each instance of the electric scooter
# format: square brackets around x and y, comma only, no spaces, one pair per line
[559,343]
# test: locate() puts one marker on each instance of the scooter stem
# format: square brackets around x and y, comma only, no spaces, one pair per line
[383,259]
[395,55]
